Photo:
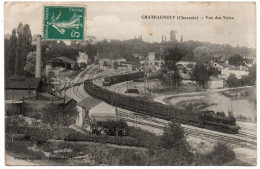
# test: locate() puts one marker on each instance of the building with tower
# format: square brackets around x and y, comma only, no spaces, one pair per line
[151,58]
[173,36]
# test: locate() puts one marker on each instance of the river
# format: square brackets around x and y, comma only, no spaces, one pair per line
[241,107]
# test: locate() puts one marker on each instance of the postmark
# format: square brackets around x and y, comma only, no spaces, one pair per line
[64,22]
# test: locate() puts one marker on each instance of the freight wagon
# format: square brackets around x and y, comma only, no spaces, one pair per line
[122,78]
[206,119]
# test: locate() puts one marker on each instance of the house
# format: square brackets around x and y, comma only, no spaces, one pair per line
[93,110]
[220,65]
[239,71]
[214,83]
[83,108]
[62,61]
[17,89]
[227,69]
[20,87]
[82,58]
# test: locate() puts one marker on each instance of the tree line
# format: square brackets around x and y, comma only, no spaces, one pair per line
[17,49]
[18,46]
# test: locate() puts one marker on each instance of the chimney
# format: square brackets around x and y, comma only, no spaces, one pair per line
[38,57]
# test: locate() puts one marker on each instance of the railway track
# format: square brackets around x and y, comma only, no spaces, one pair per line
[243,139]
[90,75]
[151,119]
[235,140]
[79,81]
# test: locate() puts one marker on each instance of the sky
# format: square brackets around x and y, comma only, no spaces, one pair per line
[123,20]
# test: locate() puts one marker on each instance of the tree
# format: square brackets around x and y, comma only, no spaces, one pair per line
[57,115]
[202,54]
[23,47]
[200,74]
[232,81]
[236,60]
[171,58]
[245,80]
[10,54]
[68,114]
[252,75]
[173,136]
[213,71]
[175,149]
[169,67]
[8,68]
[29,68]
[115,65]
[51,115]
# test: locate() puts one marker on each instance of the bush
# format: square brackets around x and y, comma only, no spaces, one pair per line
[220,155]
[232,81]
[118,156]
[173,137]
[131,157]
[145,138]
[127,141]
[114,128]
[38,135]
[21,151]
[171,157]
[174,148]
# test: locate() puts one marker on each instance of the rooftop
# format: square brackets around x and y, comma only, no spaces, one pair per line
[89,103]
[64,59]
[21,82]
[19,95]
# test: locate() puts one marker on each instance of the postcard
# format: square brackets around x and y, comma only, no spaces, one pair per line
[130,83]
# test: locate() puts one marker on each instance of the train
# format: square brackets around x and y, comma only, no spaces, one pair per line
[204,119]
[110,80]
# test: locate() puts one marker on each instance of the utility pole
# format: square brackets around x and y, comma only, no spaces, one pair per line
[144,83]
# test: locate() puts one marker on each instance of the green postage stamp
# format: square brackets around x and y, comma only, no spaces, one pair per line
[64,22]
